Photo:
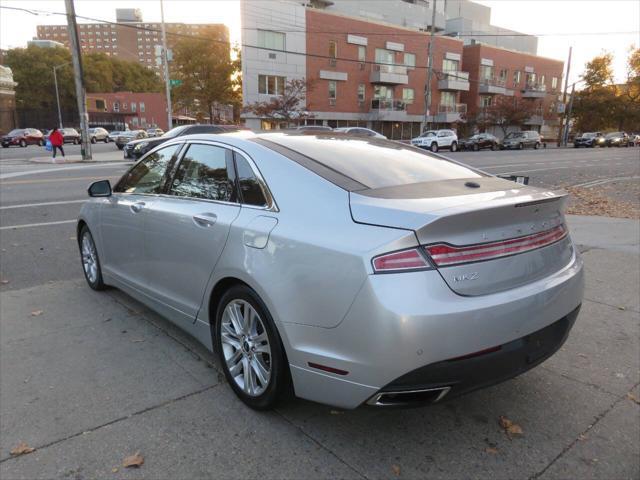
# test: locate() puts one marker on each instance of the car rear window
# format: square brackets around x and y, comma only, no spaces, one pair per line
[371,163]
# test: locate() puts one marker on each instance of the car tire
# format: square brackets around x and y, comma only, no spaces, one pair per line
[476,147]
[93,140]
[40,143]
[5,146]
[536,146]
[76,141]
[520,146]
[90,260]
[494,147]
[454,147]
[257,347]
[120,147]
[106,140]
[23,143]
[434,147]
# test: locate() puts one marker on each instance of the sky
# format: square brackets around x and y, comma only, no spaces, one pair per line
[560,23]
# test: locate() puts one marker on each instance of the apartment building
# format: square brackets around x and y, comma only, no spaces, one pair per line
[129,38]
[130,109]
[495,72]
[373,77]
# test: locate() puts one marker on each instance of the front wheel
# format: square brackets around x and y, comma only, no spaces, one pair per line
[476,147]
[120,147]
[249,348]
[537,145]
[106,140]
[93,140]
[494,147]
[454,147]
[40,143]
[90,260]
[520,146]
[23,143]
[434,147]
[76,141]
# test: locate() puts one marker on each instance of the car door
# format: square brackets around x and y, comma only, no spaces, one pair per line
[443,139]
[187,228]
[123,217]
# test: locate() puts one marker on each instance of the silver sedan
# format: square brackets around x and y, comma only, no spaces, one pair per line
[346,270]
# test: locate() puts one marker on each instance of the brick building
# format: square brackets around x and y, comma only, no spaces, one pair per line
[495,72]
[373,74]
[114,111]
[129,38]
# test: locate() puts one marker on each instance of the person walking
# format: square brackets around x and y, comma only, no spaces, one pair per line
[57,140]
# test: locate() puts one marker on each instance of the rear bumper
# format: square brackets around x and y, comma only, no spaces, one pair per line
[402,328]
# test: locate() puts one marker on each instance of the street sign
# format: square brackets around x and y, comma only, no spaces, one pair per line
[175,83]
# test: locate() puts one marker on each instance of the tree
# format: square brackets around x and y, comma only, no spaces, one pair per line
[209,76]
[506,112]
[288,107]
[108,74]
[598,72]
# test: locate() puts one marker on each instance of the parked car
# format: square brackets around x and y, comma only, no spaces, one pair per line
[589,139]
[634,139]
[520,140]
[128,136]
[70,135]
[420,298]
[313,128]
[135,149]
[113,136]
[435,140]
[359,132]
[480,141]
[616,139]
[155,132]
[21,137]
[98,134]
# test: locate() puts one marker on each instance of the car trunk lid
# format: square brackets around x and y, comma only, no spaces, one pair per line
[491,234]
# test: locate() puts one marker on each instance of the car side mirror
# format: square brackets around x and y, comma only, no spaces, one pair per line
[101,188]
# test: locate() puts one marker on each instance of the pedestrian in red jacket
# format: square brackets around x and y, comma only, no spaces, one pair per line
[57,140]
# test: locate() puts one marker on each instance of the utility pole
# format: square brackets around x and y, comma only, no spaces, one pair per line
[165,60]
[565,139]
[564,99]
[76,57]
[55,81]
[427,91]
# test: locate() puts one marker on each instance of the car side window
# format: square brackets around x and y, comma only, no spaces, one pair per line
[205,171]
[250,188]
[149,174]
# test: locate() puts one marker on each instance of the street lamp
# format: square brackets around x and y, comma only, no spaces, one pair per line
[55,81]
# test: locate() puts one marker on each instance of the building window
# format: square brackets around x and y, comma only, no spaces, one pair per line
[141,107]
[485,100]
[530,79]
[133,106]
[124,105]
[450,65]
[410,60]
[486,73]
[382,92]
[116,106]
[448,99]
[362,53]
[333,89]
[542,79]
[333,49]
[554,83]
[361,92]
[384,56]
[134,121]
[503,75]
[408,95]
[271,84]
[272,40]
[516,78]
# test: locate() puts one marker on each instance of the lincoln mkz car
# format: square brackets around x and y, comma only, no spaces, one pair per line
[347,270]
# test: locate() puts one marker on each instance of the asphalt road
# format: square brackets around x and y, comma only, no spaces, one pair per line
[96,376]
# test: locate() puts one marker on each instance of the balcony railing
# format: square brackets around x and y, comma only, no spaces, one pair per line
[388,105]
[455,75]
[456,108]
[394,69]
[494,82]
[535,87]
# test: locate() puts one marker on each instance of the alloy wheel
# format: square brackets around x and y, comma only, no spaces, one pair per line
[245,347]
[89,258]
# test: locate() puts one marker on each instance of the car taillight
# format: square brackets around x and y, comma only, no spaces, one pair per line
[403,260]
[446,255]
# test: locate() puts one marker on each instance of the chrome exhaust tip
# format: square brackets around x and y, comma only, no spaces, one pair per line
[408,397]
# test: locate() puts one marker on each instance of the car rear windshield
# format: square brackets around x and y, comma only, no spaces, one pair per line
[16,132]
[372,163]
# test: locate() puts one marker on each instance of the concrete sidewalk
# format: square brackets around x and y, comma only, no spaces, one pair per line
[115,156]
[96,377]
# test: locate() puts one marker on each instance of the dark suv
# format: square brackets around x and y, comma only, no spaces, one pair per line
[136,148]
[589,139]
[520,140]
[616,139]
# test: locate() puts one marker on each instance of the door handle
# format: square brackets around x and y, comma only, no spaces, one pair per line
[205,219]
[136,207]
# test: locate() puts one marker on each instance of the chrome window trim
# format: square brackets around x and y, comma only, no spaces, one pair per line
[271,206]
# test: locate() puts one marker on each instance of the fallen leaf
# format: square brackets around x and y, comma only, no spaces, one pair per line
[114,469]
[36,313]
[582,437]
[396,470]
[4,282]
[633,398]
[621,308]
[509,427]
[21,449]
[582,355]
[133,461]
[491,450]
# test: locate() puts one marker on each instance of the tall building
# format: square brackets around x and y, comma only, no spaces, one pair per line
[370,73]
[129,38]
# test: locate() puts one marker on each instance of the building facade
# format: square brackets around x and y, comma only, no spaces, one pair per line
[373,74]
[121,110]
[8,119]
[129,38]
[496,72]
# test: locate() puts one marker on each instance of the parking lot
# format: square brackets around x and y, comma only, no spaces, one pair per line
[88,378]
